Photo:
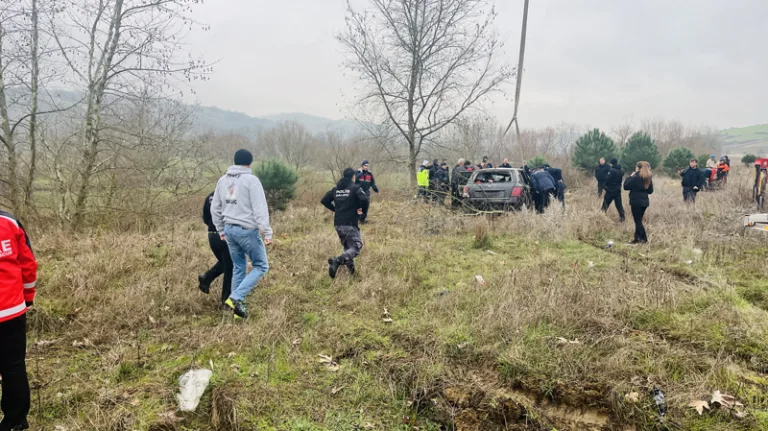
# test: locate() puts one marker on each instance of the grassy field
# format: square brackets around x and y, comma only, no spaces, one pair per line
[746,140]
[560,334]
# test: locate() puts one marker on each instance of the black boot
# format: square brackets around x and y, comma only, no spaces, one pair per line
[205,285]
[333,266]
[351,267]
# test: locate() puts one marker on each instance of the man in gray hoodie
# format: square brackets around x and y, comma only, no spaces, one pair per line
[240,213]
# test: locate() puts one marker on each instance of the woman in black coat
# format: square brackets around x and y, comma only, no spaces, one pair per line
[639,185]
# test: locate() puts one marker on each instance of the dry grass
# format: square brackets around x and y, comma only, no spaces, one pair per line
[119,319]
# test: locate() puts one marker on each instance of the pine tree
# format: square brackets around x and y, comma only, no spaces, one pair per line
[640,147]
[536,161]
[279,182]
[591,147]
[679,158]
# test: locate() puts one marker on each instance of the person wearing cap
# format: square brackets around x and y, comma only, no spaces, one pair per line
[348,202]
[712,163]
[422,180]
[241,216]
[364,179]
[487,163]
[613,185]
[18,285]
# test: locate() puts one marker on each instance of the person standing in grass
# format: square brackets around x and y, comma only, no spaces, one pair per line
[422,179]
[639,185]
[456,174]
[17,293]
[348,202]
[693,180]
[613,188]
[506,164]
[220,249]
[601,171]
[364,179]
[241,216]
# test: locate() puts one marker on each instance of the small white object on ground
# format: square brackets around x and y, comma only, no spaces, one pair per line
[591,264]
[191,388]
[610,244]
[480,280]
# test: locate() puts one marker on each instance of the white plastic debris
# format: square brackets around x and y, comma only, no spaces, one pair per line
[191,388]
[610,244]
[590,264]
[698,251]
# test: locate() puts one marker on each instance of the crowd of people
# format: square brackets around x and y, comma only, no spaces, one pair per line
[237,217]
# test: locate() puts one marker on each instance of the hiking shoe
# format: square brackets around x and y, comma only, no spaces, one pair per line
[23,426]
[237,307]
[205,286]
[333,266]
[351,268]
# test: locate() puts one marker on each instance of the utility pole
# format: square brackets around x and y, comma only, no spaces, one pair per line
[519,81]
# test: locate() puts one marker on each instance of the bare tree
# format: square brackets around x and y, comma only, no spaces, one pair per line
[19,83]
[421,64]
[623,132]
[290,141]
[113,50]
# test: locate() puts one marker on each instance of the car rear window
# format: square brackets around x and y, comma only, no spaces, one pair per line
[483,177]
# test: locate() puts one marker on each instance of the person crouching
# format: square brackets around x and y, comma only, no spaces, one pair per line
[348,202]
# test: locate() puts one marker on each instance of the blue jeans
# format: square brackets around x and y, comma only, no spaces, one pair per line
[244,244]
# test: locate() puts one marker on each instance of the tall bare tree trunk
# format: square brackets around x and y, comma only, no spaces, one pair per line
[13,182]
[28,189]
[93,114]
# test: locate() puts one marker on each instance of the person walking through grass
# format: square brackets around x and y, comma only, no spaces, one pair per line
[348,202]
[601,171]
[241,216]
[693,180]
[220,249]
[639,185]
[17,294]
[364,179]
[422,179]
[613,181]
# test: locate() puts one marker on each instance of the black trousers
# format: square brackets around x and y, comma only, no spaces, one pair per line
[364,216]
[637,214]
[614,197]
[689,194]
[13,369]
[600,187]
[541,200]
[222,266]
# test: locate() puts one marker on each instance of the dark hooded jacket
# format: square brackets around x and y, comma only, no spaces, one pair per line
[556,173]
[542,181]
[344,200]
[614,179]
[638,194]
[601,171]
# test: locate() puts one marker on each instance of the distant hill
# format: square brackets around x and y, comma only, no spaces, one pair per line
[740,141]
[211,118]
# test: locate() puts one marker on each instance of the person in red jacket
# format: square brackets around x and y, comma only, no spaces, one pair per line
[18,278]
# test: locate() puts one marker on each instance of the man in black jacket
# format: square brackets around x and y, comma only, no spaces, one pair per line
[364,179]
[506,164]
[542,185]
[443,178]
[557,175]
[613,184]
[221,251]
[455,175]
[601,171]
[693,180]
[348,202]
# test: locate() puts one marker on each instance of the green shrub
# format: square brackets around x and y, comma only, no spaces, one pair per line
[702,159]
[748,159]
[536,161]
[640,147]
[279,182]
[679,158]
[591,147]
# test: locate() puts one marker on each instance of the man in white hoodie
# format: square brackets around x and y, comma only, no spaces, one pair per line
[240,213]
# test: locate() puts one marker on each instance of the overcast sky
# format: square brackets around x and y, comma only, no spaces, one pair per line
[589,62]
